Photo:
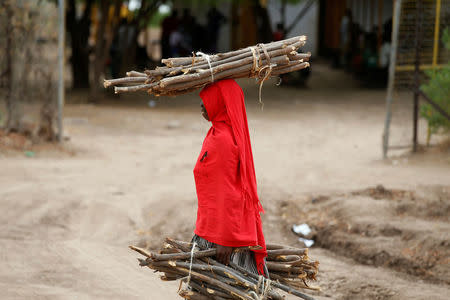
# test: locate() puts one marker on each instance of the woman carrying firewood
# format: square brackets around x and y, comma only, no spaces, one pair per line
[229,210]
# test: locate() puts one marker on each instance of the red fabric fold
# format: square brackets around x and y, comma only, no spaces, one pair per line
[228,205]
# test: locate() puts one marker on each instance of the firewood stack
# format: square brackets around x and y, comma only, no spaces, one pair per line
[185,74]
[205,278]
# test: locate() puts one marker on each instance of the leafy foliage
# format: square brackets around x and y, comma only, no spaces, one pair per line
[438,89]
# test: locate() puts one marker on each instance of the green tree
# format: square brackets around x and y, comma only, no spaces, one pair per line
[438,90]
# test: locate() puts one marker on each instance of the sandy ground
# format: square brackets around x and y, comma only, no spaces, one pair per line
[125,177]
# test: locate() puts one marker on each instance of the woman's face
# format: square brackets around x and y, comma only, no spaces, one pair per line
[204,112]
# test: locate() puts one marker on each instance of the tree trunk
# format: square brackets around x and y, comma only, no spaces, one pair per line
[46,130]
[12,122]
[79,34]
[99,61]
[28,72]
[114,24]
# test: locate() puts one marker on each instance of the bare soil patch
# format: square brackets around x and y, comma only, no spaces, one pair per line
[67,220]
[17,144]
[407,231]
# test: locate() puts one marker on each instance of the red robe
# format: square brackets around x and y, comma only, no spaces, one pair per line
[228,205]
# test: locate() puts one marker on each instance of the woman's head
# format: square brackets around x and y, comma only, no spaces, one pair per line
[214,104]
[204,112]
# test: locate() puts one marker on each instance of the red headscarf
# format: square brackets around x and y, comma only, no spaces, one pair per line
[228,204]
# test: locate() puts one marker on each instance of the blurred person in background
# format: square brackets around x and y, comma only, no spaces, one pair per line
[215,19]
[279,33]
[142,58]
[118,46]
[356,45]
[198,37]
[385,50]
[370,55]
[175,43]
[346,38]
[168,25]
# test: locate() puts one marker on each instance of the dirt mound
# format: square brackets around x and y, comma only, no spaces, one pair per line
[14,141]
[14,144]
[403,230]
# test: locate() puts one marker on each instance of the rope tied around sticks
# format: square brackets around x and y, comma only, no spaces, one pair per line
[208,59]
[257,69]
[256,58]
[190,264]
[263,286]
[262,73]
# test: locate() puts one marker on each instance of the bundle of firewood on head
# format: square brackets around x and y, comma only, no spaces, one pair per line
[185,74]
[205,278]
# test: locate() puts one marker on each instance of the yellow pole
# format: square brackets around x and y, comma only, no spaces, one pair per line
[436,32]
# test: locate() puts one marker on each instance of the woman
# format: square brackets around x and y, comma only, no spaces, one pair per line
[228,206]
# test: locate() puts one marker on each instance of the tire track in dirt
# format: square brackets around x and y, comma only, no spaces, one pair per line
[398,235]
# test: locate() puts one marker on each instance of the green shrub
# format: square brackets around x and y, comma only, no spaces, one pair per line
[438,90]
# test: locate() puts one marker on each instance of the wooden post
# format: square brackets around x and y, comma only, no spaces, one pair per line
[392,63]
[419,14]
[436,33]
[61,31]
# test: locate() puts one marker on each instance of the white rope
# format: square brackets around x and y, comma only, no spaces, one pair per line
[190,264]
[255,67]
[262,287]
[267,288]
[208,59]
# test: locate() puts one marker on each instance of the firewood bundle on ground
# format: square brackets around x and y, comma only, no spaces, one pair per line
[205,278]
[185,74]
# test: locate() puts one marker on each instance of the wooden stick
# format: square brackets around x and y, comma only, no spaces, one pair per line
[291,68]
[276,246]
[274,253]
[294,55]
[184,246]
[287,259]
[124,80]
[207,290]
[272,53]
[186,61]
[281,286]
[142,87]
[283,267]
[183,255]
[185,74]
[228,272]
[136,74]
[232,67]
[196,275]
[284,275]
[141,251]
[170,250]
[206,79]
[192,295]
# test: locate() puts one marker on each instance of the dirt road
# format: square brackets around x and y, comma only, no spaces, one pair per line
[125,178]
